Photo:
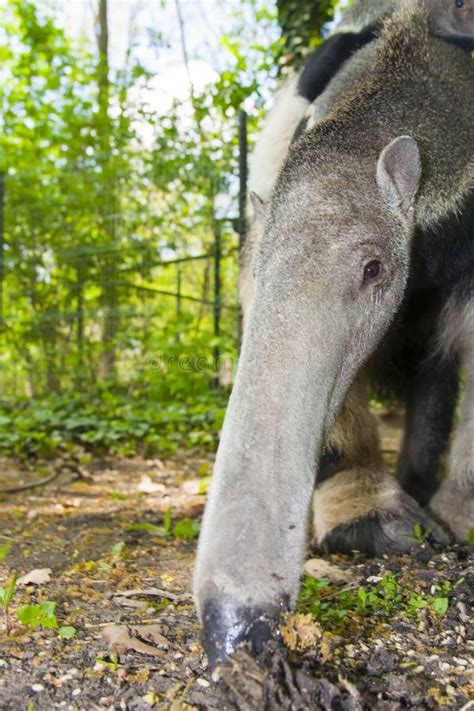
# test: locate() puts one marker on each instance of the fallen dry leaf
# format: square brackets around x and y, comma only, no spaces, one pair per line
[192,487]
[301,632]
[130,603]
[147,486]
[319,568]
[150,633]
[156,592]
[120,638]
[39,576]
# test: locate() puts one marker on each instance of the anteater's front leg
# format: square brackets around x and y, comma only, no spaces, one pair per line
[454,502]
[358,504]
[429,420]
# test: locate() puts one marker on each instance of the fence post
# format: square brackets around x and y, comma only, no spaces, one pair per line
[243,178]
[217,288]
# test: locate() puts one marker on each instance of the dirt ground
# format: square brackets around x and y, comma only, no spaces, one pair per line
[136,647]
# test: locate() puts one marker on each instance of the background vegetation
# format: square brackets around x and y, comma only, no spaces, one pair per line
[118,325]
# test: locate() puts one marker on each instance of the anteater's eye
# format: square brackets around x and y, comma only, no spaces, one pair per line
[459,4]
[373,271]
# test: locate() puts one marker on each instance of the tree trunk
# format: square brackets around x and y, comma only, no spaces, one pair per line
[107,200]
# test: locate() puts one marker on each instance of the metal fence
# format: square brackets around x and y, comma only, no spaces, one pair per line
[219,299]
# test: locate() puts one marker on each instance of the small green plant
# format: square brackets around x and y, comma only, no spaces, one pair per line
[109,661]
[167,522]
[440,605]
[330,604]
[67,632]
[149,528]
[204,485]
[117,550]
[185,529]
[41,615]
[419,534]
[4,551]
[470,537]
[6,595]
[117,496]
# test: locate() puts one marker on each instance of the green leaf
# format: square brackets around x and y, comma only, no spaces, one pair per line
[167,521]
[440,605]
[204,485]
[470,537]
[117,549]
[42,615]
[117,495]
[149,528]
[4,551]
[187,529]
[67,632]
[111,663]
[7,593]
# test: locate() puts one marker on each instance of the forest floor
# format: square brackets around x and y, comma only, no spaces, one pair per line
[124,586]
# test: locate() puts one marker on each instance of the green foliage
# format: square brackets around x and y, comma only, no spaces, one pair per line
[4,551]
[440,605]
[148,528]
[67,632]
[6,594]
[95,209]
[117,549]
[167,522]
[419,534]
[470,537]
[330,604]
[204,485]
[108,661]
[111,213]
[113,421]
[185,529]
[301,22]
[40,615]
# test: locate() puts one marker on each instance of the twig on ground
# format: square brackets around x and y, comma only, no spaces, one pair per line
[155,592]
[31,484]
[65,466]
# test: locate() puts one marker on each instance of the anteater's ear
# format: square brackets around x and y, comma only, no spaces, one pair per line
[399,173]
[259,208]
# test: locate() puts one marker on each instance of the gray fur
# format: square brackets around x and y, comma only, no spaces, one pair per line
[446,20]
[454,502]
[344,197]
[289,108]
[449,21]
[363,13]
[399,174]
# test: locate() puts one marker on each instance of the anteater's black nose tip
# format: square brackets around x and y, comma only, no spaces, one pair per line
[226,624]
